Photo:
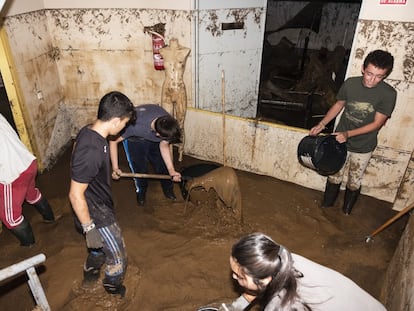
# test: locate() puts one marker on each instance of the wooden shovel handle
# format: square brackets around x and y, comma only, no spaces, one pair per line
[139,175]
[394,218]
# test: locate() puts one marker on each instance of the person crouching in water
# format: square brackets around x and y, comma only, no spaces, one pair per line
[276,279]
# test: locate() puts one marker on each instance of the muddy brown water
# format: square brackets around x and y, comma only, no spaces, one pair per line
[178,252]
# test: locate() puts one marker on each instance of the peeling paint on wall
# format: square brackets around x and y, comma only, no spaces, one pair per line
[67,57]
[237,53]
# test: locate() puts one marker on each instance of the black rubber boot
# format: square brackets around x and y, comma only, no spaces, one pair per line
[92,266]
[351,197]
[141,198]
[45,210]
[330,195]
[169,193]
[115,289]
[24,233]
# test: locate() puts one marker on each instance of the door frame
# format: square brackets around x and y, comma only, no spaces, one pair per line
[14,94]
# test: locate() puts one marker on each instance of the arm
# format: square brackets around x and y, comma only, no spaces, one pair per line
[378,123]
[78,201]
[166,156]
[113,152]
[80,207]
[240,304]
[330,115]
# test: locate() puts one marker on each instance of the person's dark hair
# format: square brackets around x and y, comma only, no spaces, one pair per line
[380,59]
[260,257]
[115,105]
[168,128]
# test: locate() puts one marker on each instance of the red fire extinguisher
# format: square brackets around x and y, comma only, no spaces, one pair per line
[158,42]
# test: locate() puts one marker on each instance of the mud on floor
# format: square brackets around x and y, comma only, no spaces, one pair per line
[178,251]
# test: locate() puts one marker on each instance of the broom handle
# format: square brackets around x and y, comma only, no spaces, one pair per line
[394,218]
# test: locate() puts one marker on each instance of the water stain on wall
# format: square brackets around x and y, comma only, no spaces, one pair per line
[234,16]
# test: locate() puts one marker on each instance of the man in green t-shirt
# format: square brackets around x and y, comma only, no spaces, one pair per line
[367,102]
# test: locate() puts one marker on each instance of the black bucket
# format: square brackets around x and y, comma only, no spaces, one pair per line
[322,153]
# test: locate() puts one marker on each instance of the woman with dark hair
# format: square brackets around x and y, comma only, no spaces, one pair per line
[277,280]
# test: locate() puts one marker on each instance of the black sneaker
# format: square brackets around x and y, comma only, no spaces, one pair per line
[141,198]
[169,194]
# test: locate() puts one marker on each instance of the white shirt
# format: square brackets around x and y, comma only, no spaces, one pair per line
[323,289]
[326,289]
[14,156]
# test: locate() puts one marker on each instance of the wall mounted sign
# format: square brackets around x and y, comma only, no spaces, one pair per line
[393,1]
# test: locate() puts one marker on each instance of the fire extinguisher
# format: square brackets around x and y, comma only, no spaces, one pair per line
[158,42]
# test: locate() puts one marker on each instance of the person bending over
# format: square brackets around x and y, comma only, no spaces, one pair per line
[148,140]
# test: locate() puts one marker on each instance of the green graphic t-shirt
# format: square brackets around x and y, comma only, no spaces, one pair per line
[361,105]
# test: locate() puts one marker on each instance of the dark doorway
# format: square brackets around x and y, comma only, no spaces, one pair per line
[5,108]
[305,55]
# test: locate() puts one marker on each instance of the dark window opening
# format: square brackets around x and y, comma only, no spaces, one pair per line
[305,55]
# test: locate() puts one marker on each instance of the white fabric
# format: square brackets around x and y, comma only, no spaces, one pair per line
[14,156]
[325,289]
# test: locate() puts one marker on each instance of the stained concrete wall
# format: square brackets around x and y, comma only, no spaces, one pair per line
[398,289]
[35,57]
[67,59]
[228,61]
[246,144]
[68,55]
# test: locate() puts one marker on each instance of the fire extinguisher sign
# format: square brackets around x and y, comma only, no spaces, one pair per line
[393,2]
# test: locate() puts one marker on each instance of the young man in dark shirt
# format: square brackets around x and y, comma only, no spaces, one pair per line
[367,103]
[91,196]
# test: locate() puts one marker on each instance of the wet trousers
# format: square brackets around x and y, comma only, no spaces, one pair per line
[113,254]
[139,153]
[356,163]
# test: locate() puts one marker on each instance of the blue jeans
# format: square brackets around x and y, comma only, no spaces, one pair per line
[139,153]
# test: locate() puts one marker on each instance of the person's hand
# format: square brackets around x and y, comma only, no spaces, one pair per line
[116,174]
[176,176]
[92,235]
[341,137]
[317,129]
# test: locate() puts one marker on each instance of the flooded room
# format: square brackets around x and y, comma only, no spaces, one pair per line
[206,155]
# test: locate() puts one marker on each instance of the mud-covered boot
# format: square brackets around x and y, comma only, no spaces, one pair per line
[92,266]
[45,210]
[351,197]
[24,233]
[115,289]
[330,195]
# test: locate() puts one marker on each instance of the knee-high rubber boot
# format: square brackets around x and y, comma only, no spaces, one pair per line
[330,195]
[45,210]
[24,233]
[351,197]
